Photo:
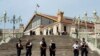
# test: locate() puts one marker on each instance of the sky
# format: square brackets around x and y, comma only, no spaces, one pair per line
[26,8]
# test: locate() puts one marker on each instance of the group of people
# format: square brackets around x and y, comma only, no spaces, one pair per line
[28,46]
[43,47]
[82,46]
[52,48]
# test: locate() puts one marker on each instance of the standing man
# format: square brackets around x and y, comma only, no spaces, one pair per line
[76,48]
[19,47]
[43,47]
[83,41]
[52,48]
[28,48]
[76,30]
[84,49]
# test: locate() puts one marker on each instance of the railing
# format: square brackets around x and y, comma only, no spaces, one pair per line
[98,43]
[9,36]
[92,40]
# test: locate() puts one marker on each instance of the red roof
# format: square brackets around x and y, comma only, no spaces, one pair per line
[66,20]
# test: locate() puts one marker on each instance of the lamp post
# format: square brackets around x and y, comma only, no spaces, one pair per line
[14,22]
[77,26]
[19,21]
[86,22]
[95,27]
[85,19]
[4,20]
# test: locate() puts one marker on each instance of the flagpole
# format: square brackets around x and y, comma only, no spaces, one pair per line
[36,8]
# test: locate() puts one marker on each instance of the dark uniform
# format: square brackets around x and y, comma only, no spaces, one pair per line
[28,49]
[84,49]
[52,49]
[43,47]
[19,47]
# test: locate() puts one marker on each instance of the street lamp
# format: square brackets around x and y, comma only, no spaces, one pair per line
[78,26]
[15,21]
[4,20]
[19,21]
[95,27]
[77,22]
[86,22]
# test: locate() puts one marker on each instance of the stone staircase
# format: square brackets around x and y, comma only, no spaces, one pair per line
[63,43]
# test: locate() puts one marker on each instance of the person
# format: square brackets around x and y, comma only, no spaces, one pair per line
[43,47]
[77,33]
[84,49]
[28,48]
[76,48]
[52,48]
[83,41]
[19,47]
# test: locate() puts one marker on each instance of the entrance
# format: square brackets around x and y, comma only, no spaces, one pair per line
[33,33]
[41,33]
[47,32]
[65,31]
[51,32]
[30,32]
[64,28]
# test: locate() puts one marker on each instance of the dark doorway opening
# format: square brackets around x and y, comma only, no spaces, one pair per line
[47,32]
[51,32]
[65,31]
[64,28]
[41,33]
[33,33]
[30,32]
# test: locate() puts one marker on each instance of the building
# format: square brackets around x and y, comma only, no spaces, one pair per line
[42,24]
[4,33]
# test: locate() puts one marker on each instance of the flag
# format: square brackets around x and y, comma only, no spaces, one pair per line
[38,5]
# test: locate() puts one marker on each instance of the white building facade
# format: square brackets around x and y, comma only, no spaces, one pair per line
[42,24]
